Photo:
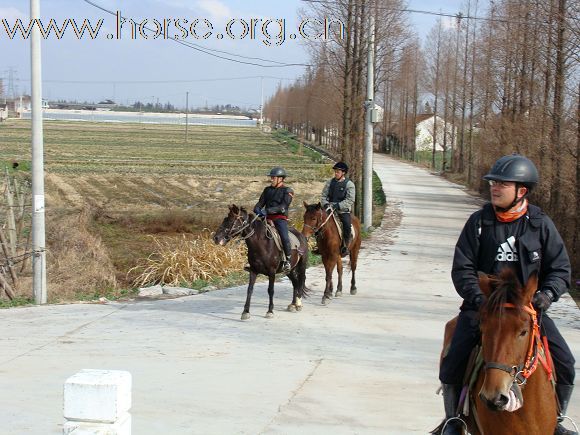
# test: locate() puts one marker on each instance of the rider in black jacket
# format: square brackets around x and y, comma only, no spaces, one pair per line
[274,204]
[508,232]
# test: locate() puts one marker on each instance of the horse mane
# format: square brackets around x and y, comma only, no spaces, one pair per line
[506,288]
[312,207]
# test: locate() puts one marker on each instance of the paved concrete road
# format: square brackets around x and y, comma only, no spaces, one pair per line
[365,364]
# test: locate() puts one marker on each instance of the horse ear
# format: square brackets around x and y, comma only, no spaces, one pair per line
[531,287]
[305,204]
[234,208]
[484,283]
[318,206]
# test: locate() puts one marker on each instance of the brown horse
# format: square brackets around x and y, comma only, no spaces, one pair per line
[321,224]
[264,256]
[513,393]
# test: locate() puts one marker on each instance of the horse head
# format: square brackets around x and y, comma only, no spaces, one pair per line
[313,218]
[233,225]
[508,333]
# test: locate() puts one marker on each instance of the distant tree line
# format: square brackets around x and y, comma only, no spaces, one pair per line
[508,83]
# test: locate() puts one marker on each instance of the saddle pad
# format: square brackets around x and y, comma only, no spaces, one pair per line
[294,242]
[339,226]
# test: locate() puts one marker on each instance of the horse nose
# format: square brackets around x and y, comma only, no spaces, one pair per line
[499,402]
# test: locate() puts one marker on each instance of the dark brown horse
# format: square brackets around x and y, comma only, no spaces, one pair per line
[513,393]
[264,256]
[321,224]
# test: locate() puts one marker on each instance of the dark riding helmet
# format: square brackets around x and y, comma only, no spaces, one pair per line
[277,172]
[342,166]
[515,168]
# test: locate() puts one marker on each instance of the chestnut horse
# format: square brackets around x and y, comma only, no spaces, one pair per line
[513,393]
[264,256]
[321,224]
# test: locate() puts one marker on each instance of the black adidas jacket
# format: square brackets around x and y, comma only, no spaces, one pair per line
[538,243]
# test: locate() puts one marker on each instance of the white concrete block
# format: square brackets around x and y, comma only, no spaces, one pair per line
[121,427]
[100,396]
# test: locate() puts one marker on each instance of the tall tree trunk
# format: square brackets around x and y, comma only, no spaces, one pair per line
[347,92]
[437,58]
[464,96]
[559,77]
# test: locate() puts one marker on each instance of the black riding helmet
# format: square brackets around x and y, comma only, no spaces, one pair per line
[342,166]
[515,168]
[277,172]
[518,169]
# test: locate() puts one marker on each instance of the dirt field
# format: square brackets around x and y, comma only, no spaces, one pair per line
[111,187]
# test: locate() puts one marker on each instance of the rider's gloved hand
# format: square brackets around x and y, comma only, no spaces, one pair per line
[542,300]
[479,300]
[260,212]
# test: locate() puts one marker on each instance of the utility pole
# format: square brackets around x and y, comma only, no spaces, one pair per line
[186,114]
[38,228]
[368,150]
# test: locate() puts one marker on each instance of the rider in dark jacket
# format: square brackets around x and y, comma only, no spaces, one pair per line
[508,232]
[274,204]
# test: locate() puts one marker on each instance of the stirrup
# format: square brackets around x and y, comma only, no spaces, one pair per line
[458,422]
[286,266]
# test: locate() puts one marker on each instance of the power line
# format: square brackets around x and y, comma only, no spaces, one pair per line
[211,51]
[457,15]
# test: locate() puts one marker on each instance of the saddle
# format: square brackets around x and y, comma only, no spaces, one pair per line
[339,226]
[274,235]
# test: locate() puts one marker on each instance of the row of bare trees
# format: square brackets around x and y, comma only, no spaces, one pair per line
[503,74]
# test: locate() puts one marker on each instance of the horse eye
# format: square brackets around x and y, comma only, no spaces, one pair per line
[524,333]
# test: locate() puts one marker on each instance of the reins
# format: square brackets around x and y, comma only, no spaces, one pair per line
[317,230]
[239,231]
[523,371]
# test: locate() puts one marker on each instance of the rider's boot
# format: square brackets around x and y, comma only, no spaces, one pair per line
[286,266]
[451,394]
[564,392]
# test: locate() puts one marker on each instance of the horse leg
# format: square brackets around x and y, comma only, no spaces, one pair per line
[246,312]
[271,280]
[295,284]
[339,284]
[329,267]
[353,261]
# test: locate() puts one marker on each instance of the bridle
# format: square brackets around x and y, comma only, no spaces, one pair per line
[523,371]
[245,224]
[318,230]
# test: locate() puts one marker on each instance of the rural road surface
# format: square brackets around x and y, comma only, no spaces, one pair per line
[365,364]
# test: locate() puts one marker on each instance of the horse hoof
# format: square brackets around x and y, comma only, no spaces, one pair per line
[353,291]
[292,308]
[245,316]
[269,315]
[298,307]
[338,294]
[325,300]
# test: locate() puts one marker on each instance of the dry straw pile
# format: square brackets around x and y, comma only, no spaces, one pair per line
[184,261]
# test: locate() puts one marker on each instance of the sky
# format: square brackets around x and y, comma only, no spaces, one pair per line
[125,67]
